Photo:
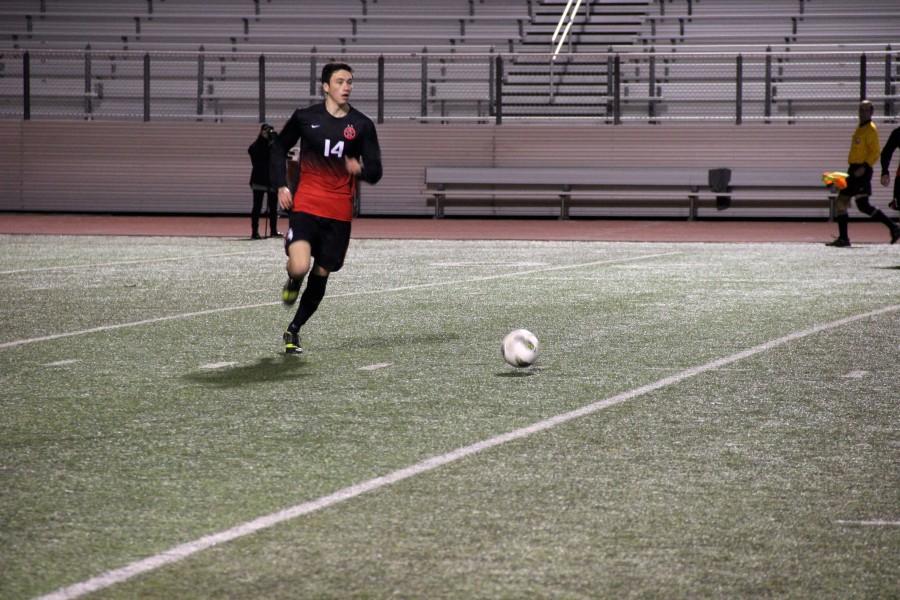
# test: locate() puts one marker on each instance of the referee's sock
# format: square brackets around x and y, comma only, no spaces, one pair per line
[842,226]
[309,301]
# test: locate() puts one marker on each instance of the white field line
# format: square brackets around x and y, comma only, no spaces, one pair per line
[376,366]
[137,261]
[187,549]
[212,311]
[218,365]
[874,523]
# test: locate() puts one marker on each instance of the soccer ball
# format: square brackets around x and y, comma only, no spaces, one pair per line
[519,348]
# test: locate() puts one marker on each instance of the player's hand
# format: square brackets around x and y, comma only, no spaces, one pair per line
[285,199]
[886,179]
[353,165]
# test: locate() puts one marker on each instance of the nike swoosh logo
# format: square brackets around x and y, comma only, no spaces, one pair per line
[314,126]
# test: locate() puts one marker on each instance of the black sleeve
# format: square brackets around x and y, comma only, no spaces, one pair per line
[888,150]
[280,144]
[371,157]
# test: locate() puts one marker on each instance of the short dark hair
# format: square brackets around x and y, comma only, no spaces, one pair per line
[329,69]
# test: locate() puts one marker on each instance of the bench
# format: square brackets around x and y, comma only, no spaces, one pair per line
[680,187]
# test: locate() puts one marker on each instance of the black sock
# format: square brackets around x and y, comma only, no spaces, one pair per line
[309,301]
[842,226]
[883,218]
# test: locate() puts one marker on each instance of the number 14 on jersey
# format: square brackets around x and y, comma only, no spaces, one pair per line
[336,150]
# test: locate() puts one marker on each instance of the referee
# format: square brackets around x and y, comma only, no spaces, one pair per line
[864,153]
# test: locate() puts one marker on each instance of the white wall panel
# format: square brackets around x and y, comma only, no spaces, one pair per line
[82,166]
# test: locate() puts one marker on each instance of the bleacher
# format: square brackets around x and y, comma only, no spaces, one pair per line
[677,57]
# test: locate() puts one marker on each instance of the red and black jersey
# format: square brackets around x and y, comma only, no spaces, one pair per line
[326,188]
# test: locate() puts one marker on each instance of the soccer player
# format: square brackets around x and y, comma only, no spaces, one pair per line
[864,152]
[892,144]
[338,146]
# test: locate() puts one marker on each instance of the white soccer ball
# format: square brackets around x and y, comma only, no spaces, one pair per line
[520,348]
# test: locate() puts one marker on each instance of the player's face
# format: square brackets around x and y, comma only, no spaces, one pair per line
[339,86]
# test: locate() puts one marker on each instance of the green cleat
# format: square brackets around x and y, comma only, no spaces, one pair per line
[292,343]
[290,291]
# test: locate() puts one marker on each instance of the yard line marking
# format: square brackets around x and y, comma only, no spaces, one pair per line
[61,363]
[136,261]
[218,365]
[375,367]
[856,374]
[187,549]
[876,523]
[212,311]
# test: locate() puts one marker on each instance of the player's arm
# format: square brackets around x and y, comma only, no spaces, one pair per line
[886,153]
[278,148]
[371,171]
[873,148]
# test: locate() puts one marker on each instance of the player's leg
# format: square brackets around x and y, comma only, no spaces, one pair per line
[254,213]
[299,253]
[331,242]
[842,203]
[895,201]
[311,298]
[272,198]
[863,204]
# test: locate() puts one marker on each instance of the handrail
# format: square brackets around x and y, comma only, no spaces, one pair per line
[614,87]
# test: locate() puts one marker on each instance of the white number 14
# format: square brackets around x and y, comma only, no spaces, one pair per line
[337,150]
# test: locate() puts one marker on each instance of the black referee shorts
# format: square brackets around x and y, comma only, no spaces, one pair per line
[858,186]
[328,238]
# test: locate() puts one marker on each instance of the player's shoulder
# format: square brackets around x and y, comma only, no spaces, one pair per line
[358,117]
[313,110]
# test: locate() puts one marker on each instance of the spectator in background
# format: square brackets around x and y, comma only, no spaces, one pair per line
[864,153]
[260,182]
[892,144]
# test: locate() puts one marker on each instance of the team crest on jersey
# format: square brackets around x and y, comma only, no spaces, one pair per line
[349,132]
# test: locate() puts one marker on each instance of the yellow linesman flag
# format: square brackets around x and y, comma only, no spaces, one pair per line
[837,179]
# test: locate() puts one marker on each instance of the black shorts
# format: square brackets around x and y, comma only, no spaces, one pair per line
[858,186]
[328,238]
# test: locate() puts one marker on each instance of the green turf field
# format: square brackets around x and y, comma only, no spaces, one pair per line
[146,404]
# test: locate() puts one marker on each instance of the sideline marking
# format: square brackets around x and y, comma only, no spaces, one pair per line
[177,553]
[877,522]
[136,261]
[213,311]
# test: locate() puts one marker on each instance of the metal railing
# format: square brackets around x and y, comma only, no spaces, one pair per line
[645,86]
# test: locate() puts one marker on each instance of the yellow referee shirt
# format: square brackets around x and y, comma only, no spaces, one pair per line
[864,146]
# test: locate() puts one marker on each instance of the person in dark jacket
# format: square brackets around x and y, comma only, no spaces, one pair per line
[892,144]
[260,182]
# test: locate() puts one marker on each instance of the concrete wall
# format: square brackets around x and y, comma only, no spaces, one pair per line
[165,167]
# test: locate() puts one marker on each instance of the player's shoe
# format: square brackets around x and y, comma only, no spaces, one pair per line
[292,343]
[839,243]
[895,235]
[290,291]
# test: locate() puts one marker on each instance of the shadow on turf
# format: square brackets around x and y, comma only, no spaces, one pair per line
[267,369]
[516,373]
